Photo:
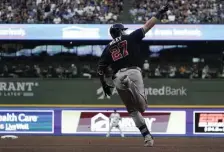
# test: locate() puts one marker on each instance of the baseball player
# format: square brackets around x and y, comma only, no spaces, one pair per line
[122,54]
[114,123]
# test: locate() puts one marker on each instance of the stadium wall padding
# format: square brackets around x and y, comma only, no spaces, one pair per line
[168,92]
[170,122]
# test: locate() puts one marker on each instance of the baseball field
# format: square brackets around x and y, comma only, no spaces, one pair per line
[113,144]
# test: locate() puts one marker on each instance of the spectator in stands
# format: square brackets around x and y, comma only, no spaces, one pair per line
[194,71]
[74,71]
[28,71]
[57,20]
[30,20]
[157,72]
[5,72]
[18,70]
[86,71]
[183,71]
[205,72]
[146,68]
[50,72]
[37,71]
[60,71]
[172,71]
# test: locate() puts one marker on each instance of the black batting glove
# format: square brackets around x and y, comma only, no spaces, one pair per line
[164,9]
[107,89]
[160,13]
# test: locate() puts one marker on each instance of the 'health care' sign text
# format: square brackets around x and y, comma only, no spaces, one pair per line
[26,121]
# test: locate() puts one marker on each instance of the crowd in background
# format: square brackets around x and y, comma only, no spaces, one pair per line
[178,70]
[182,11]
[108,11]
[62,66]
[60,11]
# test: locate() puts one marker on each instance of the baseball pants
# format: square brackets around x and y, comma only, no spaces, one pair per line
[132,93]
[113,126]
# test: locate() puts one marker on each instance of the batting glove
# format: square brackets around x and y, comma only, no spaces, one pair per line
[107,89]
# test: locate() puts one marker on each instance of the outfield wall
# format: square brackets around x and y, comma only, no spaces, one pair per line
[95,122]
[171,92]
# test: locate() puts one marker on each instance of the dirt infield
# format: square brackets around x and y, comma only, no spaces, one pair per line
[101,144]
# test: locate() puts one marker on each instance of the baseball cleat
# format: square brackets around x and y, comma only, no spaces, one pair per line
[149,142]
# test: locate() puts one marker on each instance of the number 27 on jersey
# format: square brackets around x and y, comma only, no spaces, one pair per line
[119,51]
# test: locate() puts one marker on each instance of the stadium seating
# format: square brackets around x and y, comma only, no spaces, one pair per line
[181,12]
[108,11]
[60,11]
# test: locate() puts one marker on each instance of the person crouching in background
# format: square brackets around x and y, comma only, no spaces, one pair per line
[114,123]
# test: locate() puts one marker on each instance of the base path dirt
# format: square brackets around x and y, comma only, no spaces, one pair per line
[112,144]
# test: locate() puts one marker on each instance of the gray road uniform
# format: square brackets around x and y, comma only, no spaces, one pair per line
[114,123]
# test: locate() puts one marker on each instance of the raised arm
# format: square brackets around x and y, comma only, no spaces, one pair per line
[150,23]
[139,34]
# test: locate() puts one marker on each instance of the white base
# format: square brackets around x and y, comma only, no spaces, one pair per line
[9,136]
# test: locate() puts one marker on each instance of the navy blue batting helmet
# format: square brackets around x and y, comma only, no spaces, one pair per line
[116,30]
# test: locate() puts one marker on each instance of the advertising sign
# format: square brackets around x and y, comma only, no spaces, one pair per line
[85,92]
[97,122]
[100,32]
[168,91]
[27,121]
[19,88]
[93,121]
[208,122]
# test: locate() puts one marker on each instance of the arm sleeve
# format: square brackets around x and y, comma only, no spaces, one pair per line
[137,35]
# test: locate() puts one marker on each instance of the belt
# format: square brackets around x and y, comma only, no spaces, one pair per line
[133,67]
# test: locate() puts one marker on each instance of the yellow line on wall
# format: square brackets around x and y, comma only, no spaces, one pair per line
[107,106]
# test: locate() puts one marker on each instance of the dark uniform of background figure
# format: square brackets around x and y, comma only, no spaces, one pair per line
[123,55]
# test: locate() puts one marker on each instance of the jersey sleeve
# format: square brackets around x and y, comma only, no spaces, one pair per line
[137,35]
[104,62]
